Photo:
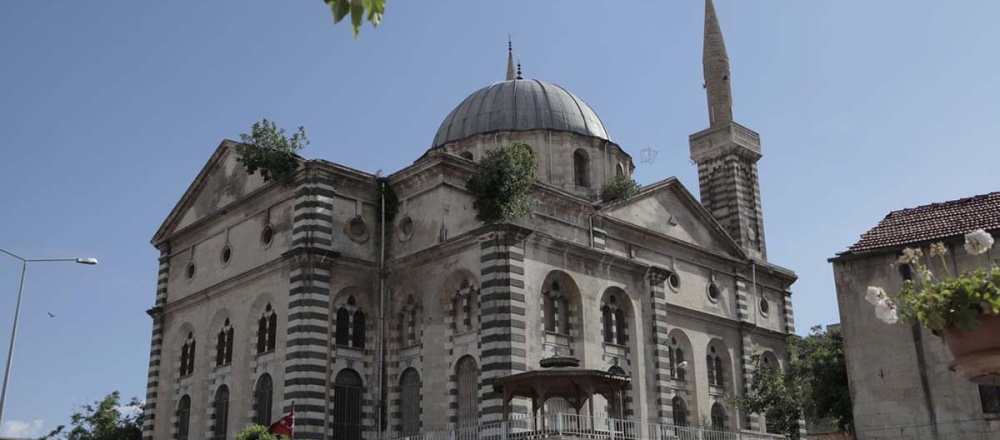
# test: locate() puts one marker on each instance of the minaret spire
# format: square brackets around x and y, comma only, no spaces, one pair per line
[510,60]
[715,62]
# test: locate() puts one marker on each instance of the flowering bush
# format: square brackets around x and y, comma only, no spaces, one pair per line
[955,301]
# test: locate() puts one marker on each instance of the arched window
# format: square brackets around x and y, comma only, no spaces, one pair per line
[680,411]
[718,417]
[465,307]
[675,357]
[408,319]
[616,407]
[556,309]
[615,321]
[409,401]
[467,387]
[183,417]
[267,329]
[262,398]
[224,345]
[713,364]
[187,356]
[347,393]
[220,421]
[350,325]
[581,168]
[466,155]
[619,170]
[358,335]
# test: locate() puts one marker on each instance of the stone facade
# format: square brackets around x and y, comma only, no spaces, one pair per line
[901,385]
[400,326]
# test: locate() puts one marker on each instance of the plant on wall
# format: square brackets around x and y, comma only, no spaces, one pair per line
[268,150]
[619,188]
[501,185]
[388,195]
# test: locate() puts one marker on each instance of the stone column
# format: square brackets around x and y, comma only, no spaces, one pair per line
[308,341]
[156,346]
[655,278]
[501,311]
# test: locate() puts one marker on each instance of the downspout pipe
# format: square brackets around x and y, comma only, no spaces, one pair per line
[381,311]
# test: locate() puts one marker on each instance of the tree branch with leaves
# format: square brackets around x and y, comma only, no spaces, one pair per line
[359,10]
[268,150]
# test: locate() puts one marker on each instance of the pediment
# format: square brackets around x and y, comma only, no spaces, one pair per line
[221,182]
[668,208]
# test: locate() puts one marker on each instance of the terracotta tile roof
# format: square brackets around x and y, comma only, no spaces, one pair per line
[932,222]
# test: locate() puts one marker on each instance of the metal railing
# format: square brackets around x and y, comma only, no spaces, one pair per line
[582,427]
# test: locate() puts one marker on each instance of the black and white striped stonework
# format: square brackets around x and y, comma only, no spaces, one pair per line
[786,300]
[655,283]
[743,293]
[502,301]
[308,338]
[156,347]
[729,190]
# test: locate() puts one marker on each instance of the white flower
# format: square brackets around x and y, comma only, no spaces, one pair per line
[910,255]
[875,294]
[886,311]
[926,274]
[978,241]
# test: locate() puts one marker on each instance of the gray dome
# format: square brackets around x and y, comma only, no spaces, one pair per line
[515,105]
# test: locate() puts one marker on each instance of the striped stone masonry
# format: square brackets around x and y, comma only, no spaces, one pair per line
[786,300]
[744,297]
[156,346]
[308,341]
[655,283]
[502,311]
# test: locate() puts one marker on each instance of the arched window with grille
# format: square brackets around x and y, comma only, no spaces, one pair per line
[615,318]
[581,168]
[267,330]
[617,407]
[187,356]
[408,322]
[263,396]
[183,418]
[679,411]
[718,417]
[343,327]
[675,356]
[224,345]
[358,332]
[556,309]
[220,419]
[409,402]
[714,366]
[467,387]
[347,393]
[608,318]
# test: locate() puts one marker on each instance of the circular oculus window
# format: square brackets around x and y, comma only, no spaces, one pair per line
[267,235]
[189,271]
[227,254]
[713,292]
[405,228]
[674,281]
[765,307]
[357,230]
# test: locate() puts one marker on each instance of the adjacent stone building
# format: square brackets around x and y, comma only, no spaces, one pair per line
[901,385]
[303,291]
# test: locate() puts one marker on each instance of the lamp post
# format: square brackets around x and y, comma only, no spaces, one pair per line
[17,311]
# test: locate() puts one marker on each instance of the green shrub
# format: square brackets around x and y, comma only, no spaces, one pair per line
[501,185]
[619,188]
[268,150]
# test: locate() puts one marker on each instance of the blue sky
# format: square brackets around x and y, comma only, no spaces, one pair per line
[109,109]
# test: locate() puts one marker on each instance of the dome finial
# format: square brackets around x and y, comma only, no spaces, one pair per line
[510,59]
[519,67]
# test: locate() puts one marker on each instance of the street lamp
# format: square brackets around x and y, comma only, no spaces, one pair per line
[17,311]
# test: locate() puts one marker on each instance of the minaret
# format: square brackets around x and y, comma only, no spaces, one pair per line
[727,153]
[510,60]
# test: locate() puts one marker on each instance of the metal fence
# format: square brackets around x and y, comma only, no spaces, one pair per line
[583,427]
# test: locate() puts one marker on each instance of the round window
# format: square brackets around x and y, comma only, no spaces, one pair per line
[357,229]
[405,228]
[713,292]
[765,307]
[227,253]
[189,271]
[267,235]
[674,281]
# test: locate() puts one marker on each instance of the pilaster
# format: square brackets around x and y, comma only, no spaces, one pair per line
[655,284]
[156,346]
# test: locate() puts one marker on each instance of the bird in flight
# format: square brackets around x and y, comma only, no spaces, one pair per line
[51,315]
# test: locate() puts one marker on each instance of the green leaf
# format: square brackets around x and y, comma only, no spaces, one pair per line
[340,8]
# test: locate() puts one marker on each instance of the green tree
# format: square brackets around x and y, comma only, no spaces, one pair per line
[360,10]
[774,393]
[268,150]
[819,364]
[619,188]
[501,185]
[106,419]
[258,432]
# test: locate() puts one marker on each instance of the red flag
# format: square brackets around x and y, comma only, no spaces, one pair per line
[284,425]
